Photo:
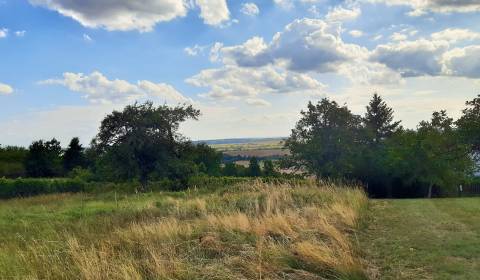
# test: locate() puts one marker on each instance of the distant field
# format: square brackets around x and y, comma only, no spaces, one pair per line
[252,144]
[424,239]
[247,231]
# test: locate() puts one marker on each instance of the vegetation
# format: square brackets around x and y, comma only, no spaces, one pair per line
[244,231]
[330,141]
[423,239]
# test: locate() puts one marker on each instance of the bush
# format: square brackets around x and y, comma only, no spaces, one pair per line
[10,188]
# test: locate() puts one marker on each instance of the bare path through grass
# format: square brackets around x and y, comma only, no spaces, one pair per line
[423,239]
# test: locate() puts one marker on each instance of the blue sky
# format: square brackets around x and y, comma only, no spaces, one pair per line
[250,66]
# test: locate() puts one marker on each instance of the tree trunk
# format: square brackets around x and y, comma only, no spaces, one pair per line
[430,187]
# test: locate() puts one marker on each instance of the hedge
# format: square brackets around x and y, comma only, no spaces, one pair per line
[10,188]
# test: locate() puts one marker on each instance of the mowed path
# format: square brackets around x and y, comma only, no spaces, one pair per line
[423,239]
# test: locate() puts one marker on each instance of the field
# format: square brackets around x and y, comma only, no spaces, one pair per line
[247,231]
[423,239]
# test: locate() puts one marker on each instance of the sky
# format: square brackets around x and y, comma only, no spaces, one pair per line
[250,66]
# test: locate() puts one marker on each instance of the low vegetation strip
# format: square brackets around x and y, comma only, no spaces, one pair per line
[251,230]
[423,239]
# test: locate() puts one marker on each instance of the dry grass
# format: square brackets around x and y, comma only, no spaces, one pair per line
[255,231]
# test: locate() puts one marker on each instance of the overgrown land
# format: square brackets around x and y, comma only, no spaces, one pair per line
[250,230]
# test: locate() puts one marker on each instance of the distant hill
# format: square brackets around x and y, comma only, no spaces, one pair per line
[233,141]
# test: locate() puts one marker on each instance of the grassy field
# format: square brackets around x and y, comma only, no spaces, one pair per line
[423,239]
[247,231]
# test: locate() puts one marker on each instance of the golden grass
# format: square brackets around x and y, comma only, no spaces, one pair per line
[255,231]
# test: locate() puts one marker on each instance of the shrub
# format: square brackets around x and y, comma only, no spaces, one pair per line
[10,188]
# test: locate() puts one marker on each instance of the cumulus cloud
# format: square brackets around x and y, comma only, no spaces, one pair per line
[5,89]
[240,83]
[397,36]
[250,9]
[455,34]
[464,62]
[99,89]
[195,50]
[304,45]
[213,12]
[342,14]
[412,58]
[420,7]
[142,15]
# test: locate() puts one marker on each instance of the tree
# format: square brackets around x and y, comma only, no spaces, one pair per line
[207,157]
[74,155]
[324,140]
[230,169]
[370,165]
[143,139]
[44,159]
[433,155]
[12,161]
[269,169]
[254,168]
[379,119]
[469,125]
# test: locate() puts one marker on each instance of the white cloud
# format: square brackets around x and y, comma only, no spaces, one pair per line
[412,58]
[3,32]
[5,89]
[213,12]
[257,102]
[455,34]
[342,14]
[20,33]
[87,38]
[421,7]
[98,89]
[356,33]
[195,50]
[250,9]
[142,15]
[464,62]
[397,36]
[304,45]
[239,83]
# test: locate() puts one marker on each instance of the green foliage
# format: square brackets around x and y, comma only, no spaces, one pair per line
[469,125]
[74,156]
[12,161]
[324,140]
[10,188]
[142,141]
[44,159]
[269,169]
[254,168]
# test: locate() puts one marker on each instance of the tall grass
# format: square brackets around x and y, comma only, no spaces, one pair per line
[252,230]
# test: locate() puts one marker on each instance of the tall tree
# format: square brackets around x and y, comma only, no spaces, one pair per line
[44,159]
[143,139]
[74,155]
[324,140]
[254,168]
[379,119]
[269,169]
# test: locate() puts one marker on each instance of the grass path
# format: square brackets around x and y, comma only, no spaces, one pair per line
[423,239]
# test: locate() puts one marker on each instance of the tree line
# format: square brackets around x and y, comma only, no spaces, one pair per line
[390,160]
[140,143]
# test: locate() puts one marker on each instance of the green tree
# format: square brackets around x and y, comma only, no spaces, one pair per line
[379,119]
[74,155]
[269,169]
[230,169]
[469,125]
[44,159]
[12,161]
[207,157]
[433,155]
[254,168]
[325,140]
[144,139]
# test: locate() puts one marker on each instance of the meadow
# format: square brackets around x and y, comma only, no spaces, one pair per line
[250,230]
